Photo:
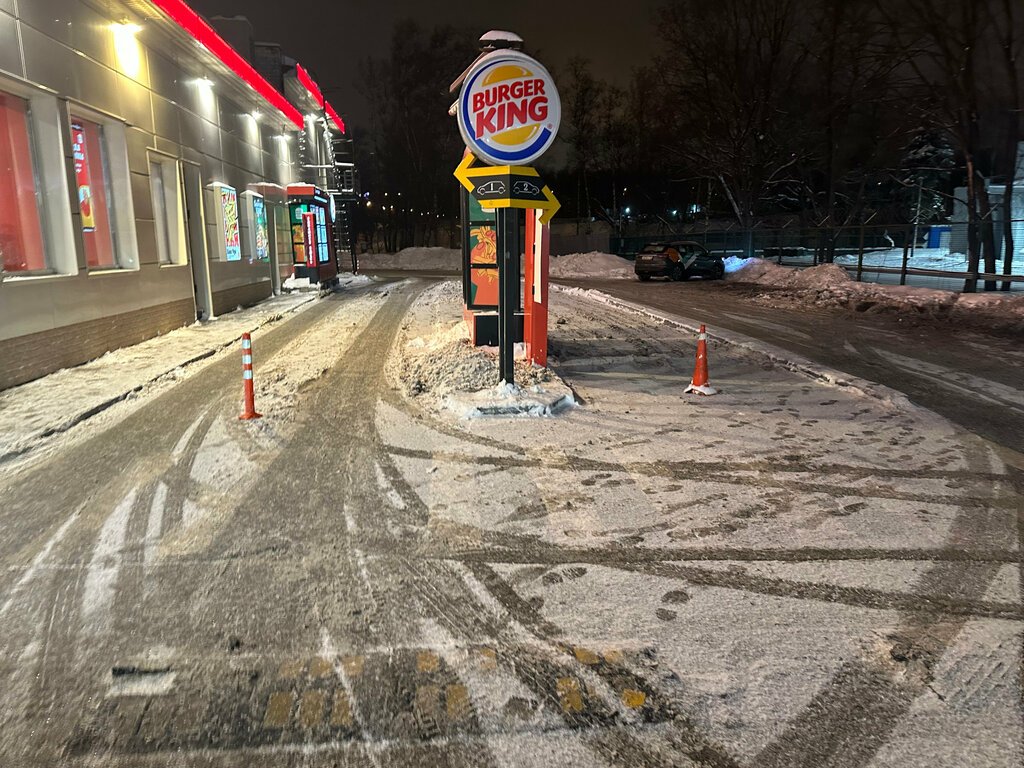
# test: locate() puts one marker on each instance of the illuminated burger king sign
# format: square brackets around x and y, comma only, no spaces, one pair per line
[509,109]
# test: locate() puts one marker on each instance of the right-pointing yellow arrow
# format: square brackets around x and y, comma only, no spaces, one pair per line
[550,206]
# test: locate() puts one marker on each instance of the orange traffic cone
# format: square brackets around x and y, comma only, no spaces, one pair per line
[250,404]
[699,383]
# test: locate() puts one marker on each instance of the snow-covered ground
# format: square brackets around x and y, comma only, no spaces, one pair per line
[36,413]
[772,511]
[756,561]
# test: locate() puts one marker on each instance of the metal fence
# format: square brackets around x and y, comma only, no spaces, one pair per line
[931,256]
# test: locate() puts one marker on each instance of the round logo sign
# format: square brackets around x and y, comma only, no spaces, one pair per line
[508,109]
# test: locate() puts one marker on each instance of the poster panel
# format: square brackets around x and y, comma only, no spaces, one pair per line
[229,209]
[262,232]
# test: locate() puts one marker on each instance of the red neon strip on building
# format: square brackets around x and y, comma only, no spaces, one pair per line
[314,91]
[192,23]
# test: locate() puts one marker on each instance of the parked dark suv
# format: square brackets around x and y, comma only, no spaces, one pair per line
[677,261]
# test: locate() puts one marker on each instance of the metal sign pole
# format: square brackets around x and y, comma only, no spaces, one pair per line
[508,291]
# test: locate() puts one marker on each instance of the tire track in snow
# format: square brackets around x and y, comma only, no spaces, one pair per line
[105,567]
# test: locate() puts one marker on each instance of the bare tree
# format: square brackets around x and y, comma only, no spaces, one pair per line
[852,128]
[948,44]
[582,97]
[1008,23]
[731,69]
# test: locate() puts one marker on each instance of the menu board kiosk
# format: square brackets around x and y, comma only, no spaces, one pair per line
[313,251]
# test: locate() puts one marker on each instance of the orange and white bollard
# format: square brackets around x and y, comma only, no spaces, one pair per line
[250,400]
[699,382]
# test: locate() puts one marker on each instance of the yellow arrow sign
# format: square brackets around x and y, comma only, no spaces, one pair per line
[507,186]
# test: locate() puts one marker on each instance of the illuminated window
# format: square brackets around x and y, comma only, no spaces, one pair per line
[93,186]
[21,236]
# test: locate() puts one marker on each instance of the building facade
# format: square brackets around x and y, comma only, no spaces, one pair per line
[144,164]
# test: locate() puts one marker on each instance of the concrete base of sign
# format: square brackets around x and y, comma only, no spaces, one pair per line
[507,400]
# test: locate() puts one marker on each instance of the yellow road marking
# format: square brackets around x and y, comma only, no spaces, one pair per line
[291,669]
[279,708]
[569,693]
[352,665]
[457,700]
[613,656]
[426,662]
[633,699]
[341,712]
[586,657]
[319,667]
[488,659]
[311,708]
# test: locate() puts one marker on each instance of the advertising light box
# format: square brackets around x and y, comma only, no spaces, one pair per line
[254,210]
[229,223]
[82,176]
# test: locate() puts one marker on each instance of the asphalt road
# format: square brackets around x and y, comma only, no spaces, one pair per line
[973,379]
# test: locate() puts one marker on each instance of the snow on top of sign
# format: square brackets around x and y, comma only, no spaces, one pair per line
[499,34]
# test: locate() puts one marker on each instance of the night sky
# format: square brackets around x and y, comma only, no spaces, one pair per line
[332,37]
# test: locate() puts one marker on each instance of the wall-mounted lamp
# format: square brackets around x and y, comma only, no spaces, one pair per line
[126,47]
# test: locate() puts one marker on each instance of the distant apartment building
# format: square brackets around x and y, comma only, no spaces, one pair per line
[144,173]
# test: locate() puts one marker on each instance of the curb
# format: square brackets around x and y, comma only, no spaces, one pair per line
[777,355]
[94,410]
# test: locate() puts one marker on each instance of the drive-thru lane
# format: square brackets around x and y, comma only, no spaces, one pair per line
[974,379]
[758,578]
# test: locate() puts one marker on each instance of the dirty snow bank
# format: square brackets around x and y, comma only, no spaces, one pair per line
[592,265]
[432,259]
[434,362]
[831,285]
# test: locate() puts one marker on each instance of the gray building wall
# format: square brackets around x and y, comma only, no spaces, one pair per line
[66,48]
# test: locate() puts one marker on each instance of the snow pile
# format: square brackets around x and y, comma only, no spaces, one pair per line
[831,285]
[435,363]
[442,361]
[431,259]
[763,272]
[990,309]
[736,263]
[593,265]
[294,283]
